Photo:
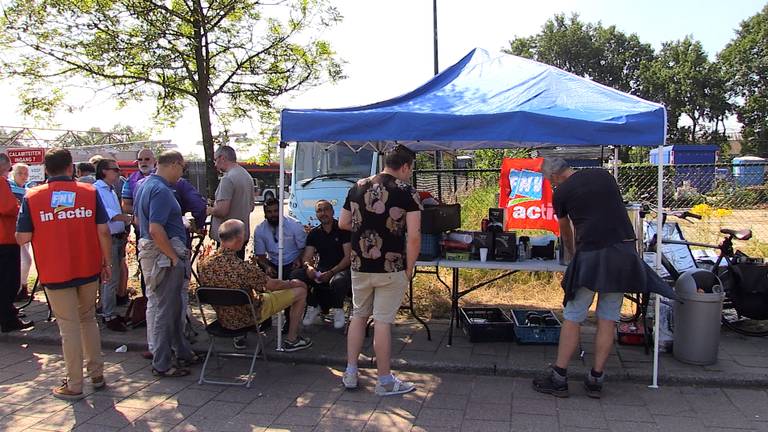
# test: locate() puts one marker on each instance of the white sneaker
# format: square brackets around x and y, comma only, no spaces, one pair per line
[349,380]
[396,387]
[311,316]
[339,319]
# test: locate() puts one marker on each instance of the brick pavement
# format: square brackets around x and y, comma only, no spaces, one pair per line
[291,397]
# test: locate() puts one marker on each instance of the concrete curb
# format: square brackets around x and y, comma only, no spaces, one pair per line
[340,361]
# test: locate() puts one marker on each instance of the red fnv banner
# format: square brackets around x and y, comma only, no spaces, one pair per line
[526,196]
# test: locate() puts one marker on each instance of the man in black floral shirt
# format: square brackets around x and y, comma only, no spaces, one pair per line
[384,215]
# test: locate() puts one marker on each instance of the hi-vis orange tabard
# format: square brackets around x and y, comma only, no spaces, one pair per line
[526,196]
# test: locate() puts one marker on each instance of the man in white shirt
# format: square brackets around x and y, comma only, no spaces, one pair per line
[107,173]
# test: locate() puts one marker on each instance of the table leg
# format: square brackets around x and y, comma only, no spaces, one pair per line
[454,304]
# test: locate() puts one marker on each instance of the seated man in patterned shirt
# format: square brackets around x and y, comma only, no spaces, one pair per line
[224,269]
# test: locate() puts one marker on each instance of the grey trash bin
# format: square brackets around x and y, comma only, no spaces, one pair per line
[697,317]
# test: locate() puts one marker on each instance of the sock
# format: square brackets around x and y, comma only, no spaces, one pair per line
[560,371]
[351,370]
[386,379]
[596,374]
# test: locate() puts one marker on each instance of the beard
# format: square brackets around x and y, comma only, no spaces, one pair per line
[145,169]
[274,222]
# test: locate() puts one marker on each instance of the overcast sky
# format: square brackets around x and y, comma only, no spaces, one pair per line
[387,47]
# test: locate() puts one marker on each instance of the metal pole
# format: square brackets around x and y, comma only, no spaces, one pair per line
[659,236]
[281,194]
[616,163]
[434,34]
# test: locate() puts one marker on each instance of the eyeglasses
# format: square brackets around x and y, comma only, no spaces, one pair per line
[143,159]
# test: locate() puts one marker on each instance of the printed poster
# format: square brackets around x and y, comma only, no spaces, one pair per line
[526,196]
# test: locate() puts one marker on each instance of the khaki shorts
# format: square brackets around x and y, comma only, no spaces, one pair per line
[378,294]
[273,302]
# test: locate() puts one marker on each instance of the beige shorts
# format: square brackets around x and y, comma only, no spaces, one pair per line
[378,294]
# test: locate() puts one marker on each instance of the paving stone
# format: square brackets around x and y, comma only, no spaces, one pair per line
[351,410]
[301,416]
[447,401]
[63,420]
[487,412]
[439,417]
[193,397]
[248,422]
[533,423]
[387,422]
[318,398]
[633,426]
[583,419]
[470,425]
[330,424]
[627,414]
[117,416]
[145,426]
[268,405]
[17,423]
[678,424]
[752,403]
[534,406]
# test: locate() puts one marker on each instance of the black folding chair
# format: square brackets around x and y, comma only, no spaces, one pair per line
[228,297]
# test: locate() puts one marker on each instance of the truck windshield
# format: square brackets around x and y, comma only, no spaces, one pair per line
[323,161]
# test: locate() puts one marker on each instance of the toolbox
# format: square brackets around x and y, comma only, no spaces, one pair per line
[484,324]
[536,327]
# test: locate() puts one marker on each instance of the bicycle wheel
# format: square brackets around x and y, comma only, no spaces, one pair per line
[731,318]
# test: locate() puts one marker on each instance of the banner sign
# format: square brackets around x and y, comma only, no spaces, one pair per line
[26,155]
[526,196]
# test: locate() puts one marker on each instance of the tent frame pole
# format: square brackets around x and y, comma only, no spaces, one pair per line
[281,195]
[659,236]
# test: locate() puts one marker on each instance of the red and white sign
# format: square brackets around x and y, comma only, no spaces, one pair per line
[26,155]
[526,196]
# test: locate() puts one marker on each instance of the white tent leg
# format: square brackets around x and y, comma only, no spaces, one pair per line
[616,162]
[281,194]
[657,298]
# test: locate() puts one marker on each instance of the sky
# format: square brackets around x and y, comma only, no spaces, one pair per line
[387,48]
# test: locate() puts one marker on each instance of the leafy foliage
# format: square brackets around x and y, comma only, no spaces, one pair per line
[229,58]
[745,65]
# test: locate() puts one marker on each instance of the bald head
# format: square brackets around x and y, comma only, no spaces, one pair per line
[232,234]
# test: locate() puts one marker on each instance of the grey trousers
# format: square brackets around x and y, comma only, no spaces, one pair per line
[168,331]
[109,289]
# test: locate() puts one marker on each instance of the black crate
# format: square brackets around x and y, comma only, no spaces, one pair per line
[484,324]
[535,334]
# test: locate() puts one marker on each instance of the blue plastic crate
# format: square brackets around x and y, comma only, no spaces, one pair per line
[430,247]
[535,334]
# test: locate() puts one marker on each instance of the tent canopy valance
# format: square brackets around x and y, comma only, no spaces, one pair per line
[489,102]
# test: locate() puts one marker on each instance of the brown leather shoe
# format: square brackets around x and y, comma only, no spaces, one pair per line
[147,355]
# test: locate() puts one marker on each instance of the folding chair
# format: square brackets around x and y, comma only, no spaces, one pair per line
[228,297]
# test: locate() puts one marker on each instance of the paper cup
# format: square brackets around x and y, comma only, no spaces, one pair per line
[483,254]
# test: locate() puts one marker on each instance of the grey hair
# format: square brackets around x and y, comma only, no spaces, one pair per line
[228,152]
[553,166]
[18,167]
[4,158]
[231,229]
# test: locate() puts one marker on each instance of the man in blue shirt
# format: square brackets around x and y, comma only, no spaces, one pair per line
[265,238]
[107,173]
[164,259]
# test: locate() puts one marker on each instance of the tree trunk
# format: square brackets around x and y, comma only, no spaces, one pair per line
[203,99]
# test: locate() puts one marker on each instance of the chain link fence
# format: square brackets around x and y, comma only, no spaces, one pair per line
[725,195]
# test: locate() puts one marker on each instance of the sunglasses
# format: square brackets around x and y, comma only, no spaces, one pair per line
[143,159]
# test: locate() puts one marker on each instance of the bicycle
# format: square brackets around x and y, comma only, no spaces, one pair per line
[739,315]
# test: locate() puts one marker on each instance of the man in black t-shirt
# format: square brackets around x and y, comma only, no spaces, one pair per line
[384,214]
[328,279]
[597,234]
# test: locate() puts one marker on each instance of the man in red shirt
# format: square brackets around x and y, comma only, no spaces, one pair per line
[67,225]
[10,254]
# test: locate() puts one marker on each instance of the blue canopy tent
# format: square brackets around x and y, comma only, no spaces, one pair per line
[489,102]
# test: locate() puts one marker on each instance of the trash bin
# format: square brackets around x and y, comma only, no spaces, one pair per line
[697,317]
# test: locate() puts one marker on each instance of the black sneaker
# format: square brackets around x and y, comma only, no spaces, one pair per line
[550,382]
[299,344]
[593,385]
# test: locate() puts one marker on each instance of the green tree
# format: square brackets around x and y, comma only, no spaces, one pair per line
[745,65]
[228,58]
[603,54]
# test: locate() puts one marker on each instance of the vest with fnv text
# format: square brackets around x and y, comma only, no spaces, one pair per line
[65,239]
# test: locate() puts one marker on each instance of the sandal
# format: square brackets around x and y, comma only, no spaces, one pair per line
[195,359]
[173,372]
[99,382]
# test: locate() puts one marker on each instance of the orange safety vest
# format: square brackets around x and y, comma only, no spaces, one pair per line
[65,238]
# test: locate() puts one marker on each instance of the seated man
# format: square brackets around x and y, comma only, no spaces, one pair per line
[223,269]
[329,279]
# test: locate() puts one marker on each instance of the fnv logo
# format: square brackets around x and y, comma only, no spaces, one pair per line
[524,185]
[63,203]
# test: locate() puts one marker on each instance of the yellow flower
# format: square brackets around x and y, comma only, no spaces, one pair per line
[702,210]
[721,212]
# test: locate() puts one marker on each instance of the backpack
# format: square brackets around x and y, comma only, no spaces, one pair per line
[750,294]
[136,314]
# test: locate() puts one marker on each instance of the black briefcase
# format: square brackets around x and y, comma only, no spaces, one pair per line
[441,218]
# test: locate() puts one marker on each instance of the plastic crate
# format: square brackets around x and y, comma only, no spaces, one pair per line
[486,324]
[535,334]
[430,247]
